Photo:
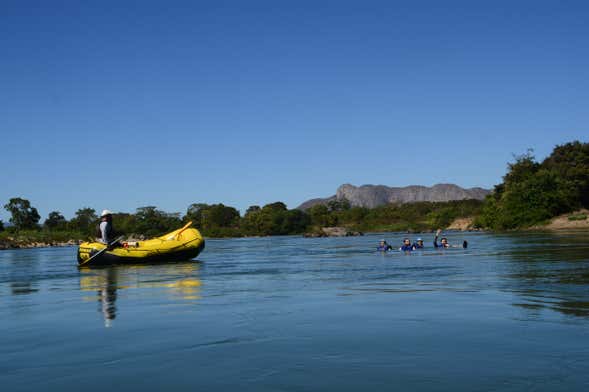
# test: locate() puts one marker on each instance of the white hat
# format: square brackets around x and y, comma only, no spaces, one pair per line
[105,213]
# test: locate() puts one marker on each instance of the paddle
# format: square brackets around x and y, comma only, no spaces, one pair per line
[101,251]
[186,226]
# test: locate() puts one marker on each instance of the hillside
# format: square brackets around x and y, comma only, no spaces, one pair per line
[371,196]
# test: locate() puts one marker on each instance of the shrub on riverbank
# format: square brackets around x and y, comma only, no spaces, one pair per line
[533,192]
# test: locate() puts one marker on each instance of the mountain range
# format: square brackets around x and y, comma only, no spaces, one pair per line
[371,196]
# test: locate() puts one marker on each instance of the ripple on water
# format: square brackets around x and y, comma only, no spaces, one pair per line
[509,312]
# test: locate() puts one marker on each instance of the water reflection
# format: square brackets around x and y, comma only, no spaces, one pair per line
[20,288]
[107,297]
[23,274]
[174,281]
[550,271]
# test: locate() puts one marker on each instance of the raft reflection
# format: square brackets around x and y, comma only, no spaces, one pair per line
[179,280]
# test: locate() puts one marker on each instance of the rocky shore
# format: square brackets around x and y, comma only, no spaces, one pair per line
[462,224]
[332,232]
[11,243]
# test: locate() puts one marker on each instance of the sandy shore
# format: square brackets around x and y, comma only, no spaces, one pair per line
[578,220]
[572,221]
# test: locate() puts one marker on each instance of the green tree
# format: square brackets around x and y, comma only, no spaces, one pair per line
[533,192]
[355,215]
[252,209]
[295,222]
[570,161]
[441,218]
[338,205]
[274,219]
[535,200]
[251,222]
[55,221]
[194,214]
[152,222]
[215,220]
[1,226]
[319,214]
[219,215]
[84,221]
[24,216]
[524,167]
[125,223]
[276,206]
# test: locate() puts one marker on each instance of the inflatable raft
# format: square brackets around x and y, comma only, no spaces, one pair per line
[179,245]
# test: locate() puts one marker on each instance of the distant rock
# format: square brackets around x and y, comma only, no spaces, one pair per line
[371,196]
[333,232]
[310,203]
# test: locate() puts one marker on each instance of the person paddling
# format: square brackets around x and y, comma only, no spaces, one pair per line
[105,230]
[444,242]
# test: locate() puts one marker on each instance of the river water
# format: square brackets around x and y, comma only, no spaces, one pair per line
[510,313]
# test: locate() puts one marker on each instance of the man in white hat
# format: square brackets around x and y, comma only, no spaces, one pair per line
[105,229]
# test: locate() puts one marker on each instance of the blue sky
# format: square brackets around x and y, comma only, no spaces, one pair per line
[168,103]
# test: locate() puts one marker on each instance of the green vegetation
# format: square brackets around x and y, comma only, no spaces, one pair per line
[23,215]
[419,216]
[55,221]
[219,220]
[577,217]
[533,192]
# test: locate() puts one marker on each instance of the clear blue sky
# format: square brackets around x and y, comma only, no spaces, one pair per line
[168,103]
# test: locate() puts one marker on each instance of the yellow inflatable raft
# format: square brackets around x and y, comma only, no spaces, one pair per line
[179,245]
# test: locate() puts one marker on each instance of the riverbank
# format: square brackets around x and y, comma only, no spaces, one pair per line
[16,244]
[39,239]
[6,246]
[578,220]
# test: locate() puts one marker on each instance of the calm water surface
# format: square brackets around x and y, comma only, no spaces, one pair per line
[510,313]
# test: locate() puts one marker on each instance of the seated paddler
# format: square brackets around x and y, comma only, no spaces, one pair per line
[105,230]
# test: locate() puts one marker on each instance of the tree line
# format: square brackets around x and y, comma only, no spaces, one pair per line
[531,193]
[219,220]
[214,220]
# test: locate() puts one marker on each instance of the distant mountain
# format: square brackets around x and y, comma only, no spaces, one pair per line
[376,195]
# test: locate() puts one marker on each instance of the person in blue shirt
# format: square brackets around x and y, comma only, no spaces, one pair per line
[444,242]
[383,246]
[406,247]
[418,244]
